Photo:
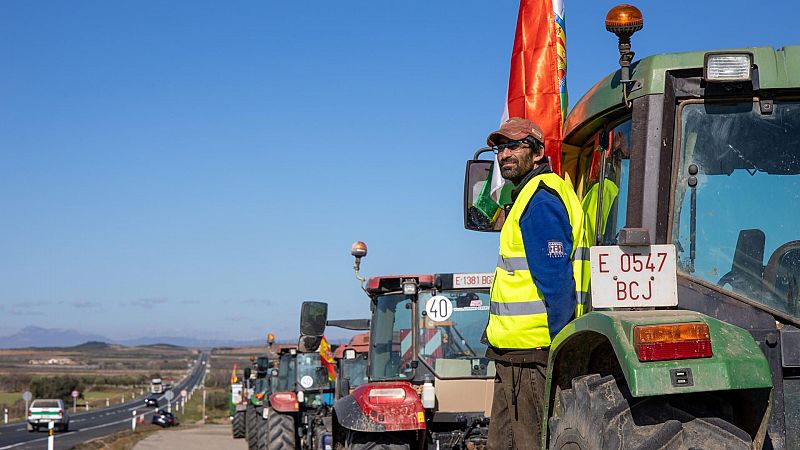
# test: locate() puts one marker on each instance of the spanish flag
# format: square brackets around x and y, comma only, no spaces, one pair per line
[234,378]
[326,357]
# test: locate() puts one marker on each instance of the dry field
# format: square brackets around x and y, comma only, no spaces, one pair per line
[106,372]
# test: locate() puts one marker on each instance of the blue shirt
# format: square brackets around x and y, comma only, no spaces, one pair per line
[547,237]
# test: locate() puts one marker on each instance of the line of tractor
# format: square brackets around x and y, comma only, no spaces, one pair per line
[688,166]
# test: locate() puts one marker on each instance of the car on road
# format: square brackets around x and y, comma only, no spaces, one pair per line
[151,401]
[164,419]
[43,411]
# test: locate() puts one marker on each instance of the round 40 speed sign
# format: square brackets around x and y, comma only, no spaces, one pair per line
[438,308]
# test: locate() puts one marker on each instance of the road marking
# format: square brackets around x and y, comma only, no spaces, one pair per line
[74,431]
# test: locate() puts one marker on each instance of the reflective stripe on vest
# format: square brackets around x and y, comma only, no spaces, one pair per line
[517,308]
[517,312]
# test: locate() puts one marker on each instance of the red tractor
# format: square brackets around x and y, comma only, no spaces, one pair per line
[430,384]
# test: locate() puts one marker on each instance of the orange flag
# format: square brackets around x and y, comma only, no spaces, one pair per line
[537,85]
[234,378]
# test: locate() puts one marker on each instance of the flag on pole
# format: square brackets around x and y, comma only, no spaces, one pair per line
[537,86]
[326,357]
[234,378]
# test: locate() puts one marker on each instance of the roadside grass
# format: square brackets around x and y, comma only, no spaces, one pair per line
[123,440]
[193,412]
[9,398]
[97,399]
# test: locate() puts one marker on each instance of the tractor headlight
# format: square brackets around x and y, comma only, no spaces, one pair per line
[727,67]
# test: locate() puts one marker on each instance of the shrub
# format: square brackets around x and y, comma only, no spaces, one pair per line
[60,386]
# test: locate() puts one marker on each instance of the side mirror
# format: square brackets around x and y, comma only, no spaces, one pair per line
[308,344]
[247,373]
[482,212]
[313,318]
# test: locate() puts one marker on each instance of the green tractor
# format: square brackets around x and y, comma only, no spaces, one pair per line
[257,412]
[689,165]
[239,399]
[302,396]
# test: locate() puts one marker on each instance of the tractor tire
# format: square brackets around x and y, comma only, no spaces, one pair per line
[319,437]
[250,419]
[263,429]
[599,413]
[281,434]
[239,425]
[380,441]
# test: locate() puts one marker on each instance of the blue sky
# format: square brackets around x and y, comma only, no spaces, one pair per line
[200,168]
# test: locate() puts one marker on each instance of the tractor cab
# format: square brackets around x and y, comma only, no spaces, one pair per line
[429,326]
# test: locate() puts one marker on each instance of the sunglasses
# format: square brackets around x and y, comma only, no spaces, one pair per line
[511,145]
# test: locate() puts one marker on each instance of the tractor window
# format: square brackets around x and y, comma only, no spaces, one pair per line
[611,216]
[453,347]
[736,194]
[286,371]
[311,376]
[355,370]
[262,385]
[391,338]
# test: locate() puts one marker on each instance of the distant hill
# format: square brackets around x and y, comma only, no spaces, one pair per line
[56,337]
[48,337]
[92,345]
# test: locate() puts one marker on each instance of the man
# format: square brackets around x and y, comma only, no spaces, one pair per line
[534,290]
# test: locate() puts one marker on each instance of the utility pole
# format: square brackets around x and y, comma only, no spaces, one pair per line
[204,406]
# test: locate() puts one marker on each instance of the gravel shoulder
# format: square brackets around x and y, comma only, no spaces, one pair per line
[200,437]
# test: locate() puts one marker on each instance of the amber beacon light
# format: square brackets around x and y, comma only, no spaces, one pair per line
[623,21]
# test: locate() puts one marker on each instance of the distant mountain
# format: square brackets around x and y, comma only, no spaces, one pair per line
[187,342]
[57,337]
[48,337]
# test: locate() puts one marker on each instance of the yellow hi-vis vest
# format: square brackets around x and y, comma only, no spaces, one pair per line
[517,313]
[589,205]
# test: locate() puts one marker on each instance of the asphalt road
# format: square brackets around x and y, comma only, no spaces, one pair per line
[97,423]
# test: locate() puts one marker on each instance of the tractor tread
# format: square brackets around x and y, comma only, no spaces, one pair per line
[598,413]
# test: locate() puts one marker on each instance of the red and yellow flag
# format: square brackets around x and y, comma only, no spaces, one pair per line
[234,378]
[326,357]
[537,85]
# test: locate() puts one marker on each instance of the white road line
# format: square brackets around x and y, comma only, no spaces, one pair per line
[75,431]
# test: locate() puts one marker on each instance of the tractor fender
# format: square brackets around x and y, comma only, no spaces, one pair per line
[358,413]
[601,340]
[349,415]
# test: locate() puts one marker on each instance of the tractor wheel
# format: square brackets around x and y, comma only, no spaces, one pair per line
[239,426]
[599,413]
[281,434]
[263,429]
[251,429]
[319,438]
[380,441]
